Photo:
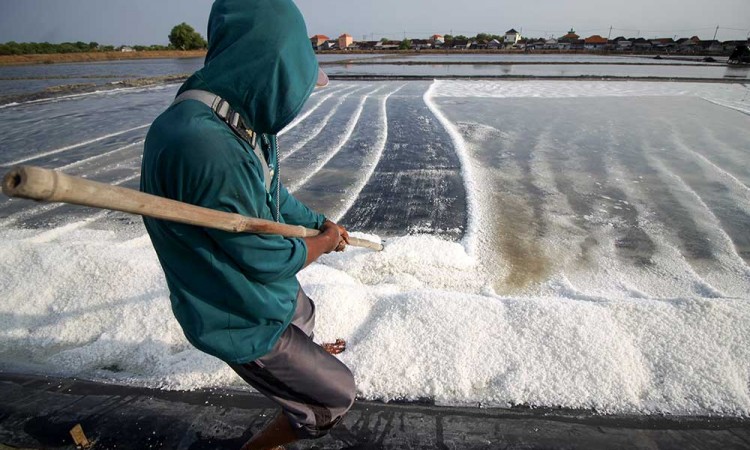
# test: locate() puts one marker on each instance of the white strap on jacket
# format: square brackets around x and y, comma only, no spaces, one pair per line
[234,120]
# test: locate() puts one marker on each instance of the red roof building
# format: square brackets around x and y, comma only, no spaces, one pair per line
[345,40]
[319,39]
[571,36]
[596,40]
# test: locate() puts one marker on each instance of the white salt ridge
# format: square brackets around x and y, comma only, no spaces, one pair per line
[467,173]
[419,324]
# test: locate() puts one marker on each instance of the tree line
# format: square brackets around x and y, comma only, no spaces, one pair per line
[450,39]
[182,37]
[45,48]
[479,37]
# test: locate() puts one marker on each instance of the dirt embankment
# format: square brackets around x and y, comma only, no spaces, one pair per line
[13,60]
[73,89]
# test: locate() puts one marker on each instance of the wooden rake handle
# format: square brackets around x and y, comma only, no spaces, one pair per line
[46,185]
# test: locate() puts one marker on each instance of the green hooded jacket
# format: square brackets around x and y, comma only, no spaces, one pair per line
[234,294]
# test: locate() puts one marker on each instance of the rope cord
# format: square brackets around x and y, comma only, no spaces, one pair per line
[271,145]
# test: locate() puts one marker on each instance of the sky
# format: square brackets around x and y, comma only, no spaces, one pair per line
[135,22]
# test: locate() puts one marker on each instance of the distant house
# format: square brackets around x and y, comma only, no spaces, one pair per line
[569,41]
[511,37]
[366,45]
[345,40]
[642,45]
[126,49]
[551,44]
[460,44]
[664,44]
[421,44]
[688,45]
[494,44]
[710,46]
[388,45]
[621,44]
[437,38]
[570,37]
[595,42]
[532,44]
[578,44]
[716,47]
[478,45]
[318,40]
[329,45]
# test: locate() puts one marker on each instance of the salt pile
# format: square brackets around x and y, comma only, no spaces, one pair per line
[418,321]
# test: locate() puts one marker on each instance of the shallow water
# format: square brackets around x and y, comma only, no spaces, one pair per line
[543,70]
[25,80]
[543,58]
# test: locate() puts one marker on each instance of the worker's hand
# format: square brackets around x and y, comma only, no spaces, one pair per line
[333,236]
[344,236]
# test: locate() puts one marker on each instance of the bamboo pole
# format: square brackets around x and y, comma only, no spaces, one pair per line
[45,185]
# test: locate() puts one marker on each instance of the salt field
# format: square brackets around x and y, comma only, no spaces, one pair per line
[548,243]
[558,70]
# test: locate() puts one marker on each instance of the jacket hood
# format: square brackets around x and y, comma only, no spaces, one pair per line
[260,60]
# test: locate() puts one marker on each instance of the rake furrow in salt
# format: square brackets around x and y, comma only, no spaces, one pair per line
[51,215]
[85,167]
[725,142]
[71,122]
[726,197]
[305,163]
[38,157]
[304,131]
[90,164]
[312,105]
[336,186]
[30,214]
[417,185]
[694,250]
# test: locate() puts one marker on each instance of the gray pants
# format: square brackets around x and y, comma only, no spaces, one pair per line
[313,388]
